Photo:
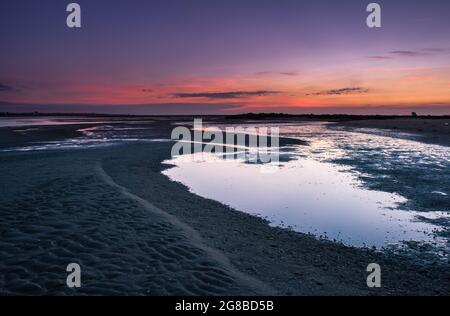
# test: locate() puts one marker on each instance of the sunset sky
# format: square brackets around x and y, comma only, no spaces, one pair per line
[225,56]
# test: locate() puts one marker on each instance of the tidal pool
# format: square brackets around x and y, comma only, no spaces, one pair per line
[309,193]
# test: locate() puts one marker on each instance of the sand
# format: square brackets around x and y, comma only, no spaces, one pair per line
[135,232]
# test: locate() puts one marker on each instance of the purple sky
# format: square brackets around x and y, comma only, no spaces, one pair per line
[225,56]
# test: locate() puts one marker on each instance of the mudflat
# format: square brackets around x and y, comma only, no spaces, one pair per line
[436,131]
[134,231]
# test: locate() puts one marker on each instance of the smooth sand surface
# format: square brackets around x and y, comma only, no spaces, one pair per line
[133,231]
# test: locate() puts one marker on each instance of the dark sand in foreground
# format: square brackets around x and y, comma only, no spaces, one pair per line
[134,231]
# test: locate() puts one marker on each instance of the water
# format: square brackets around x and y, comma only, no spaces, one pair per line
[45,121]
[362,187]
[316,192]
[101,132]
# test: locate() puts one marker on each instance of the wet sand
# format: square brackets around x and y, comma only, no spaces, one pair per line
[433,131]
[133,231]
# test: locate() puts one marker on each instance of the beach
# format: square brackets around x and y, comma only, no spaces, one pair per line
[135,232]
[436,131]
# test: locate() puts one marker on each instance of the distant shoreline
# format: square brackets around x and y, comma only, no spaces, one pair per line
[246,116]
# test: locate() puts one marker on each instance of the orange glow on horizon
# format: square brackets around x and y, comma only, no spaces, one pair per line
[388,87]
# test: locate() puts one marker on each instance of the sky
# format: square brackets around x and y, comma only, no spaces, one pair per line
[225,57]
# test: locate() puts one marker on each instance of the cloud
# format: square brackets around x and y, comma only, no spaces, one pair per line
[421,52]
[379,57]
[342,91]
[407,53]
[289,73]
[5,88]
[436,50]
[225,95]
[283,73]
[411,53]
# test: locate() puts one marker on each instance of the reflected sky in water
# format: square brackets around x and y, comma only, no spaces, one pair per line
[315,193]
